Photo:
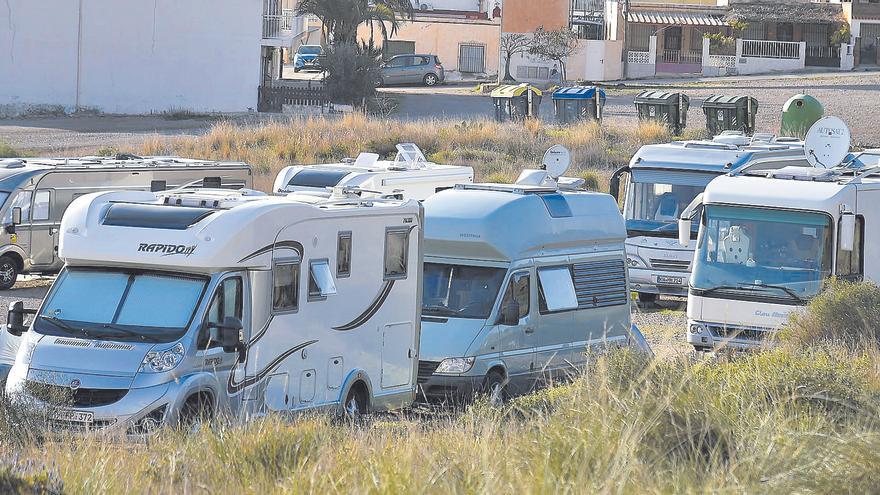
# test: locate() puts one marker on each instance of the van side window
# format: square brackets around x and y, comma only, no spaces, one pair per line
[556,290]
[285,287]
[850,264]
[396,253]
[21,200]
[41,205]
[227,301]
[321,282]
[519,291]
[343,254]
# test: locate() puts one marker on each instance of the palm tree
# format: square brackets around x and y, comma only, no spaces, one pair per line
[341,18]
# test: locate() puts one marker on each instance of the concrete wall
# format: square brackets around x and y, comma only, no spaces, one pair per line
[755,65]
[131,56]
[597,60]
[525,16]
[642,71]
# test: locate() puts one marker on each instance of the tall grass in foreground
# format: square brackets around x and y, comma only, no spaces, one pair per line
[498,152]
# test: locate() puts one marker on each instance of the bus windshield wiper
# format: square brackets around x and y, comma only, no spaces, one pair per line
[440,310]
[59,323]
[790,292]
[127,331]
[719,288]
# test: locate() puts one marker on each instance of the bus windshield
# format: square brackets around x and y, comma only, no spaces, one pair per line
[121,305]
[653,208]
[460,291]
[779,254]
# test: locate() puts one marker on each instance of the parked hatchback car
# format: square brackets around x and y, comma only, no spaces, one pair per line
[308,57]
[412,69]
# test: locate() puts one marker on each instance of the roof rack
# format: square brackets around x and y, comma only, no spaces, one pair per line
[122,161]
[508,188]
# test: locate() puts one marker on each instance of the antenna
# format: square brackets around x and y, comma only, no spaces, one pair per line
[827,142]
[556,161]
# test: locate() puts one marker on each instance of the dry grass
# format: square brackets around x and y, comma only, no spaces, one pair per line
[498,152]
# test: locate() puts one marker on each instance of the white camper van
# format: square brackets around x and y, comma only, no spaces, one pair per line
[35,192]
[409,176]
[661,180]
[202,302]
[773,233]
[521,281]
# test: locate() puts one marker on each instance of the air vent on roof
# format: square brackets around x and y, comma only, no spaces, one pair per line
[11,163]
[805,173]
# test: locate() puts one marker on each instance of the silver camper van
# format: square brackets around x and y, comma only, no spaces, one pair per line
[520,282]
[35,192]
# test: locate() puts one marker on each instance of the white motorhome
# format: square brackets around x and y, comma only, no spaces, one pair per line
[35,192]
[770,236]
[409,176]
[659,182]
[521,282]
[202,302]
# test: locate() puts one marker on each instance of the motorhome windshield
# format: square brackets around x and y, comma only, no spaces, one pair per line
[460,291]
[120,305]
[653,208]
[759,252]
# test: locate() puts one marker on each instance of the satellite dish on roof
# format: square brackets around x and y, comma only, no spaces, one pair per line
[556,161]
[827,142]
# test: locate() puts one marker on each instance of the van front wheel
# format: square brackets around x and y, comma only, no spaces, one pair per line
[8,272]
[495,388]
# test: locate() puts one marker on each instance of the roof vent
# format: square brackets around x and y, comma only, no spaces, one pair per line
[409,157]
[11,163]
[530,177]
[366,160]
[805,173]
[735,138]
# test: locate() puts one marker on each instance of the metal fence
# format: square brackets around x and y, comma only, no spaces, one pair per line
[822,56]
[472,58]
[276,25]
[273,98]
[771,49]
[682,56]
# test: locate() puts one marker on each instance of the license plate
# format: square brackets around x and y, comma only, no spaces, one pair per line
[664,279]
[73,416]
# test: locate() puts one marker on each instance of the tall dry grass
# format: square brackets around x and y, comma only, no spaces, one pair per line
[498,152]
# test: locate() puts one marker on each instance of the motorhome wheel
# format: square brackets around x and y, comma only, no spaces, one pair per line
[195,412]
[646,298]
[8,272]
[355,403]
[495,388]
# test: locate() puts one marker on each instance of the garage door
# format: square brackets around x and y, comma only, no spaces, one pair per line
[472,59]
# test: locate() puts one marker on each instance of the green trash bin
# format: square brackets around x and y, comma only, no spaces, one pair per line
[730,113]
[516,102]
[669,109]
[799,113]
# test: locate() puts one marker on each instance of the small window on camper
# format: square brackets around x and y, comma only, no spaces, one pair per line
[343,255]
[850,264]
[556,289]
[396,253]
[158,185]
[227,301]
[41,205]
[285,291]
[321,282]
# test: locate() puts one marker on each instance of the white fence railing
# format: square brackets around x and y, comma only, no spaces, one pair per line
[638,57]
[277,26]
[725,61]
[771,49]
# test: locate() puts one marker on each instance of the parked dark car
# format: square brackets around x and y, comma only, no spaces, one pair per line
[412,69]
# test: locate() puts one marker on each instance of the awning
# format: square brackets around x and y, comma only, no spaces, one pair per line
[801,13]
[675,19]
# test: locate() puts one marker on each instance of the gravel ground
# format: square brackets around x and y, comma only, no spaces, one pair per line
[30,291]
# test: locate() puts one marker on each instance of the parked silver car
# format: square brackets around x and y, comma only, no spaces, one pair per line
[412,69]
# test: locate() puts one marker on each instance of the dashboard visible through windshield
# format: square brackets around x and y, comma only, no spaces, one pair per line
[654,208]
[120,305]
[777,253]
[460,291]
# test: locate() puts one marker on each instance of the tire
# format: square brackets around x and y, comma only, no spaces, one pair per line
[8,272]
[431,80]
[356,404]
[647,298]
[495,388]
[296,69]
[195,412]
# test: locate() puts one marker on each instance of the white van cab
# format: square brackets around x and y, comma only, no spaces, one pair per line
[521,282]
[177,305]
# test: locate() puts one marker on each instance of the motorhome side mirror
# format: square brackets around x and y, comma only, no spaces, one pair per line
[684,231]
[16,215]
[614,184]
[15,318]
[230,333]
[510,314]
[847,232]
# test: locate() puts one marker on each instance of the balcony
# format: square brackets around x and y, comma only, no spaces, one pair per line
[280,29]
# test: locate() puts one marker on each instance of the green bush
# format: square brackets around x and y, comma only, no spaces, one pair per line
[845,313]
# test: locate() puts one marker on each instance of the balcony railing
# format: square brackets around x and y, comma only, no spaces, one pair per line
[771,49]
[279,25]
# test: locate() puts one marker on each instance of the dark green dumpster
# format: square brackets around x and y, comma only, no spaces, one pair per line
[669,109]
[730,113]
[799,113]
[516,102]
[576,103]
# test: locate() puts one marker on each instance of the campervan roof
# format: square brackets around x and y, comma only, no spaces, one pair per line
[504,222]
[118,161]
[723,154]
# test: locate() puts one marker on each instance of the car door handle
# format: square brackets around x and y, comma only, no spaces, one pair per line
[529,330]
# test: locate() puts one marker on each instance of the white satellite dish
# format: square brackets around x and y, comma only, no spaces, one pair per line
[827,142]
[556,161]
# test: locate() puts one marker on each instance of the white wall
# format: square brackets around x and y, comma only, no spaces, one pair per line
[596,60]
[135,56]
[756,65]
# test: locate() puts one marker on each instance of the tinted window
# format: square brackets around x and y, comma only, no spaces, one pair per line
[316,178]
[343,254]
[154,216]
[396,249]
[285,287]
[850,263]
[460,291]
[41,205]
[519,291]
[21,200]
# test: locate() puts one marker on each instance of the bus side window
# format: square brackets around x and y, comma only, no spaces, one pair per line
[851,264]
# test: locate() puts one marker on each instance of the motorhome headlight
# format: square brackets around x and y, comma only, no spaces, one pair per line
[635,262]
[455,365]
[159,361]
[696,328]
